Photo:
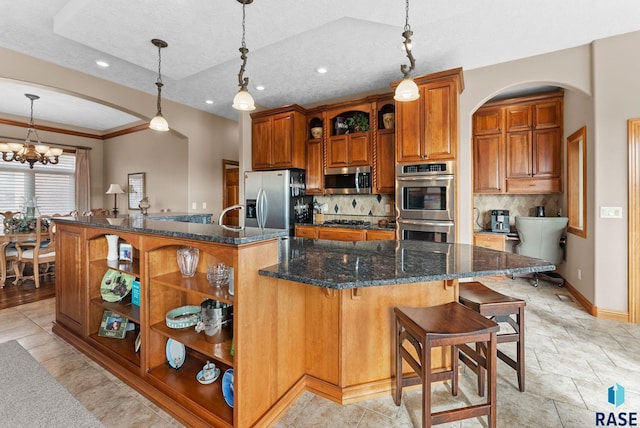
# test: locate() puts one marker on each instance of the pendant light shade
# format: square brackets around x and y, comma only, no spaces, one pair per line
[407,90]
[159,123]
[243,100]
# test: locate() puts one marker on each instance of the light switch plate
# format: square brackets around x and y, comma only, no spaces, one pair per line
[194,205]
[610,212]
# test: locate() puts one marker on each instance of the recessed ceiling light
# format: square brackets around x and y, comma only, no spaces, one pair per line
[322,70]
[209,101]
[102,63]
[260,87]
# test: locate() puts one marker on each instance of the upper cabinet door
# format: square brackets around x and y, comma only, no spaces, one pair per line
[441,121]
[261,143]
[548,115]
[359,149]
[519,117]
[282,142]
[408,136]
[427,128]
[487,121]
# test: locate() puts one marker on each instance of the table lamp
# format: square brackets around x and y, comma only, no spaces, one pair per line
[115,190]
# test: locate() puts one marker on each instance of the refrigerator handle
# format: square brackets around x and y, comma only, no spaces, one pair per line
[265,208]
[259,206]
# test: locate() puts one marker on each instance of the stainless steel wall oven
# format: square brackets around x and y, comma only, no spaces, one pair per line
[425,199]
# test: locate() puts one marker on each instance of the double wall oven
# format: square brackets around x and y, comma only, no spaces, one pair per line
[425,196]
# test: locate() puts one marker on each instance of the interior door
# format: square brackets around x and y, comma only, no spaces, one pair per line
[231,190]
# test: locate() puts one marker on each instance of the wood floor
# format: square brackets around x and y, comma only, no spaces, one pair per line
[14,295]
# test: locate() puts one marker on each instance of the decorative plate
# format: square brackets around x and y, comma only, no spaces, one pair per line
[202,380]
[176,353]
[116,285]
[227,387]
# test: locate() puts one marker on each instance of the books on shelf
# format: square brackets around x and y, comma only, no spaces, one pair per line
[113,325]
[126,251]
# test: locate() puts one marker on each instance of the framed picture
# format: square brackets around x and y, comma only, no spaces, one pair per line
[126,251]
[113,325]
[136,189]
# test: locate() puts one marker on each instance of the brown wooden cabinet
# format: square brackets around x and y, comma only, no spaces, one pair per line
[81,265]
[524,156]
[427,128]
[278,138]
[343,233]
[494,241]
[348,150]
[315,153]
[381,235]
[384,150]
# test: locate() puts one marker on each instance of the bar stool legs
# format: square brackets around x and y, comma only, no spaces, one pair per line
[450,324]
[487,302]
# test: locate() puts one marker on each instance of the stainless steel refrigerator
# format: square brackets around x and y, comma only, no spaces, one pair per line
[276,199]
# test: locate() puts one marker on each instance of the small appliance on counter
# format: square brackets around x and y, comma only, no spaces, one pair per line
[540,211]
[500,221]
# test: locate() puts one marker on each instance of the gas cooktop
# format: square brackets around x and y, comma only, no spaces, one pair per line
[349,222]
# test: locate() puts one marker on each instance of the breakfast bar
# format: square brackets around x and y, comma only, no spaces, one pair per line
[309,314]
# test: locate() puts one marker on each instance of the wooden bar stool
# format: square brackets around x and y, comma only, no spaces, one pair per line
[499,308]
[450,324]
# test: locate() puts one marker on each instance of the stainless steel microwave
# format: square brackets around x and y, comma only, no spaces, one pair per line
[348,181]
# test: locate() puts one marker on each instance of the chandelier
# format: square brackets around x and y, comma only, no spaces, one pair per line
[159,123]
[243,100]
[31,152]
[407,90]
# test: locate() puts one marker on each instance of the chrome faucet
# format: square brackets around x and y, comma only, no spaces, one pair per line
[226,210]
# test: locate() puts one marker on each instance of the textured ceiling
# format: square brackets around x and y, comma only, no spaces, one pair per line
[358,41]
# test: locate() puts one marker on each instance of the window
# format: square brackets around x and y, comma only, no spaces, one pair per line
[577,182]
[52,185]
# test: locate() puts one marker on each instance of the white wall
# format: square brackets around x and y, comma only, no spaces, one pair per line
[578,112]
[616,87]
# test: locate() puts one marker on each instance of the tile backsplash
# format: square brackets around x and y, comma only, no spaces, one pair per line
[346,206]
[518,205]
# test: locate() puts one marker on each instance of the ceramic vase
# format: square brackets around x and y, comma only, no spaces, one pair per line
[112,242]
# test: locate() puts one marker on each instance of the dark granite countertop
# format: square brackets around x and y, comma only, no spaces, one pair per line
[178,229]
[339,265]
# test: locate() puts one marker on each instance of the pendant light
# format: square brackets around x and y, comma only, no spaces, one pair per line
[159,123]
[243,100]
[407,90]
[31,151]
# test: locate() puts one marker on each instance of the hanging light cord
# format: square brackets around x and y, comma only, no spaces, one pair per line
[32,126]
[159,83]
[407,44]
[243,82]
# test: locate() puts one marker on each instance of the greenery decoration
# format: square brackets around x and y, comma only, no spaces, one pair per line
[359,122]
[24,225]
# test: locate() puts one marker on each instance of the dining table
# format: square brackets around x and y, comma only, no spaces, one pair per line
[5,240]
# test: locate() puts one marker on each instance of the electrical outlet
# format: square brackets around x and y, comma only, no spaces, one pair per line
[204,205]
[610,212]
[579,273]
[387,208]
[194,205]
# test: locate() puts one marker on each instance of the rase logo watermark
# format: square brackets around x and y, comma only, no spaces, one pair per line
[615,397]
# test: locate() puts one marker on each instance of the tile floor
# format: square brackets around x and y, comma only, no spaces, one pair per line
[572,359]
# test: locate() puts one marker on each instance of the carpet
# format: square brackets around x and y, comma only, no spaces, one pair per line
[31,397]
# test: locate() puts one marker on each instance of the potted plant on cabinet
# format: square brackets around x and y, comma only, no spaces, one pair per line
[359,122]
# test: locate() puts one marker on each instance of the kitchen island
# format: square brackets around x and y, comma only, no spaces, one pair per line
[308,314]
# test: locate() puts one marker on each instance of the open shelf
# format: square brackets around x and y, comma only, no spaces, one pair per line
[197,341]
[124,348]
[124,308]
[182,385]
[132,267]
[197,284]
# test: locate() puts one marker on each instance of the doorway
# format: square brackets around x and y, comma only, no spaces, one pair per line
[633,137]
[231,190]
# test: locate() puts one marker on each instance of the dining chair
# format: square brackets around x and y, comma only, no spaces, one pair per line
[97,212]
[8,252]
[38,252]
